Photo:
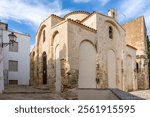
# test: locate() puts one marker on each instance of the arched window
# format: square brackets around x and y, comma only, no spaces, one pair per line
[110,32]
[137,67]
[44,36]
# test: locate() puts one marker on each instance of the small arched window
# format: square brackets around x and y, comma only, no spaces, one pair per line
[44,36]
[137,67]
[110,32]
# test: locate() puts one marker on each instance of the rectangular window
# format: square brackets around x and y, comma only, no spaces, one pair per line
[13,66]
[14,47]
[13,82]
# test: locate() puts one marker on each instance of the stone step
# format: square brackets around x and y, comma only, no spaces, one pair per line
[12,89]
[43,87]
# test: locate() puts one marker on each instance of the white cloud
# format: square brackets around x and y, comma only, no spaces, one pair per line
[81,1]
[104,2]
[133,9]
[147,19]
[32,12]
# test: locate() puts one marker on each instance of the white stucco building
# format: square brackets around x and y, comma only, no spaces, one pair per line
[16,62]
[1,65]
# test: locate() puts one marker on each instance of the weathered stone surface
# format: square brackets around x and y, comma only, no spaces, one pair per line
[136,36]
[69,36]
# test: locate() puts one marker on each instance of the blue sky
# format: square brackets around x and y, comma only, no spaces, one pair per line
[26,15]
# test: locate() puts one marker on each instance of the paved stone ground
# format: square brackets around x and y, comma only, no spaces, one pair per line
[142,93]
[96,94]
[13,92]
[125,95]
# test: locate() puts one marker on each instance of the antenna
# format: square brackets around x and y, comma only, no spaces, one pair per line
[122,14]
[148,36]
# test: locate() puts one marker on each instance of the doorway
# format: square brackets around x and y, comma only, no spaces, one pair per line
[58,70]
[87,65]
[44,68]
[111,64]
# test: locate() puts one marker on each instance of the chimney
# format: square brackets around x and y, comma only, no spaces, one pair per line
[112,13]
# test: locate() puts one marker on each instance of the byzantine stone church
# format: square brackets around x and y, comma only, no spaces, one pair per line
[90,50]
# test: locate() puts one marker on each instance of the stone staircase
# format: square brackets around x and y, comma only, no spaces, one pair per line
[21,89]
[42,87]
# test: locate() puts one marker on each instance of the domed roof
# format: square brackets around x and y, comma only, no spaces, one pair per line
[77,15]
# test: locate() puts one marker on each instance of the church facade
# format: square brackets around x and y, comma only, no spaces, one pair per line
[83,50]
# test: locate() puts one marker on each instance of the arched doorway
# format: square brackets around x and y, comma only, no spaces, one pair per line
[130,76]
[58,69]
[111,63]
[44,68]
[87,65]
[56,56]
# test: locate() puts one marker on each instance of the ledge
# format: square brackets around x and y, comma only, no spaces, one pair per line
[125,95]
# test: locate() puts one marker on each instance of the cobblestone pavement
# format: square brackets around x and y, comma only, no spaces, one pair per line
[142,93]
[13,92]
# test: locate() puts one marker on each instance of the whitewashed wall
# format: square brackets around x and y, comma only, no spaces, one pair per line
[1,66]
[1,75]
[22,56]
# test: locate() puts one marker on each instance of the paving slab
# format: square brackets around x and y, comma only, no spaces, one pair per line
[142,93]
[95,94]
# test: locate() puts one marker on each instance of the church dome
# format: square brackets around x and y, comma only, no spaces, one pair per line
[77,15]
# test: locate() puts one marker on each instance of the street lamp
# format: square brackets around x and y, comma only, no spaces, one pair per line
[12,40]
